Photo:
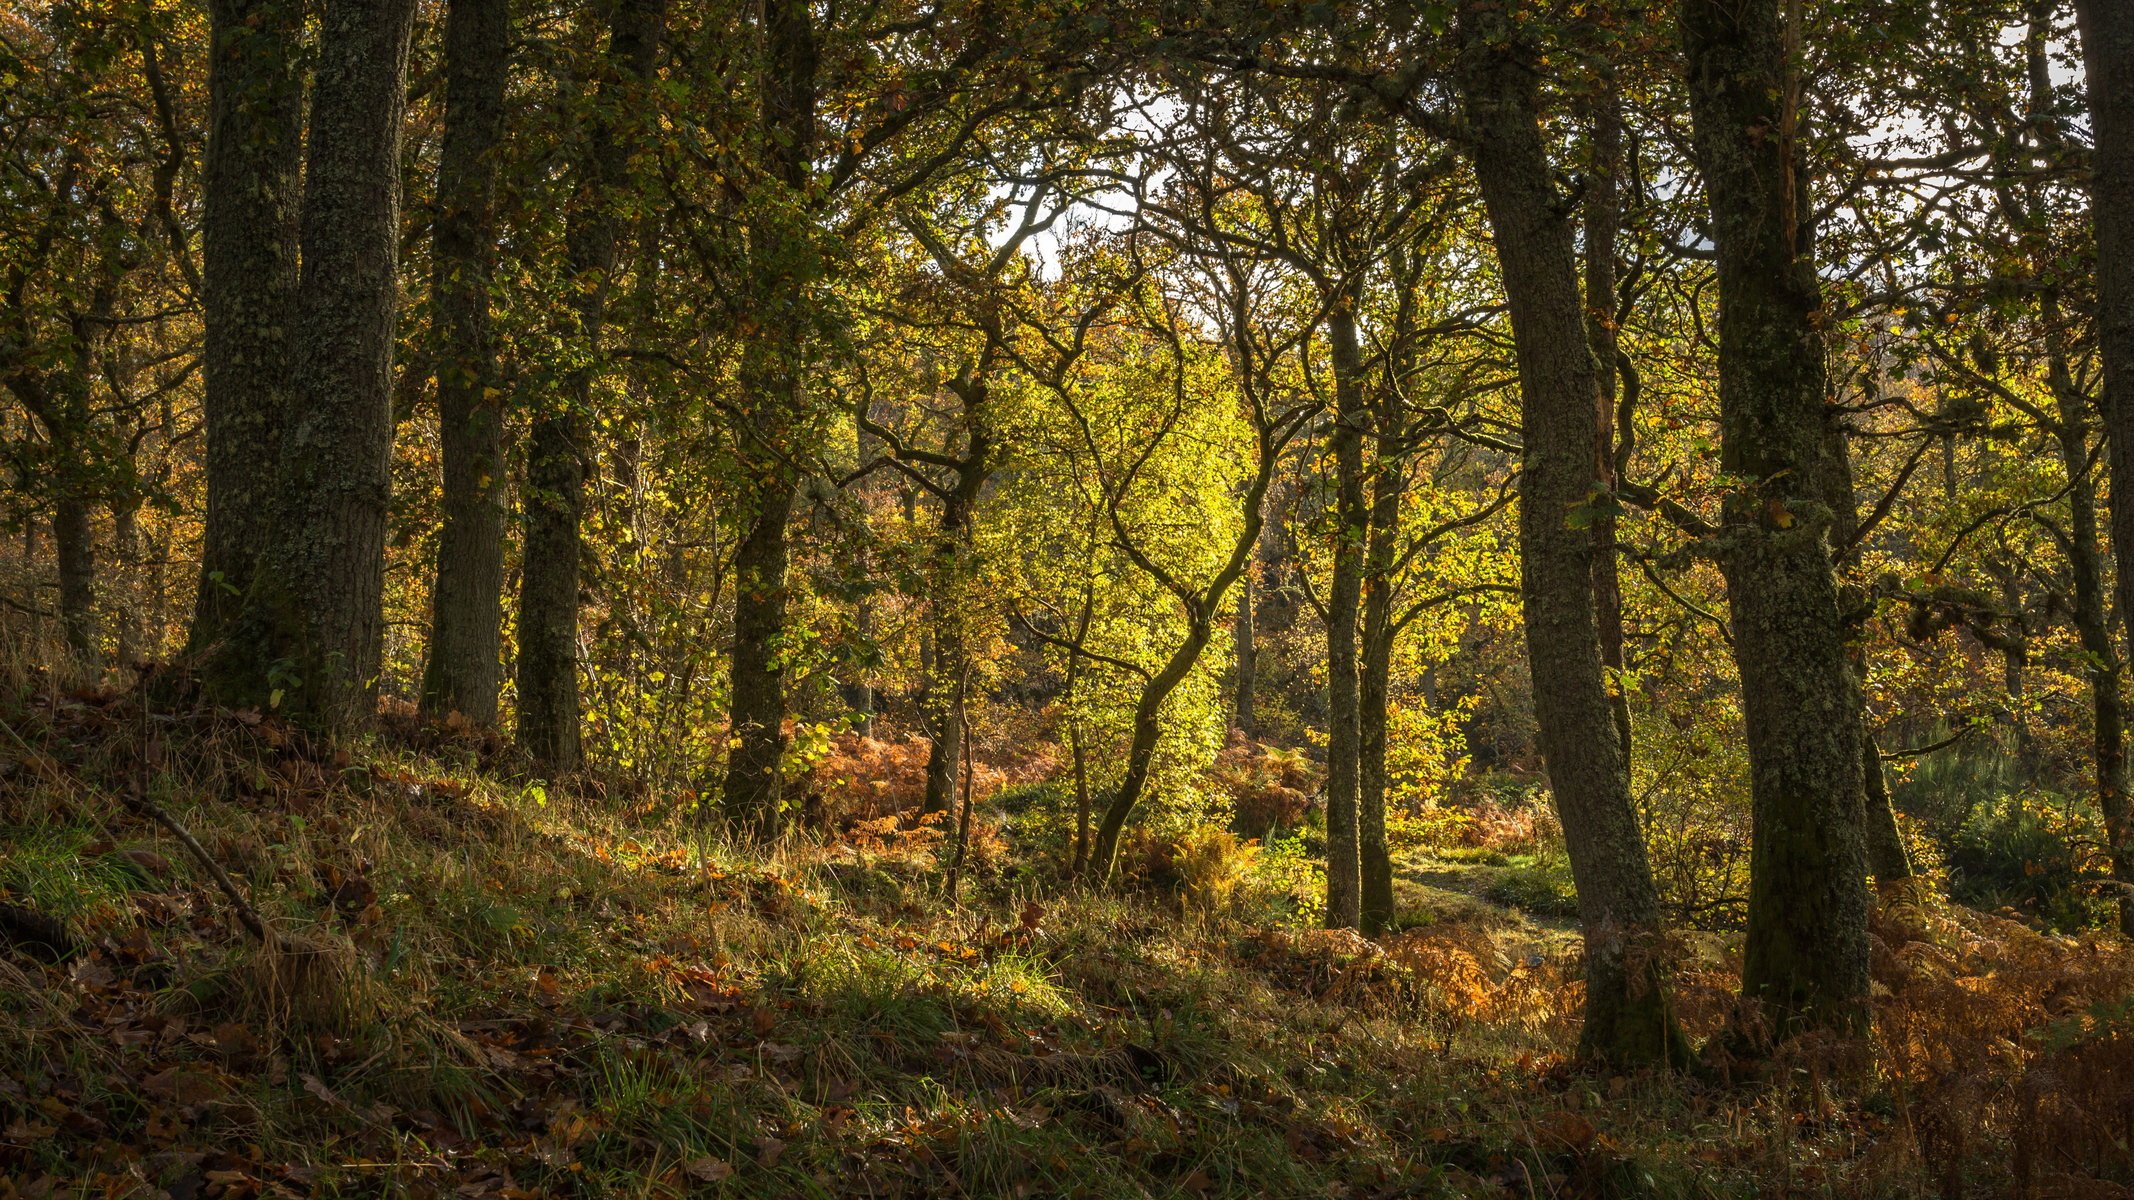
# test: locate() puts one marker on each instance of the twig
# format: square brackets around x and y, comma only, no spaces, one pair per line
[245,912]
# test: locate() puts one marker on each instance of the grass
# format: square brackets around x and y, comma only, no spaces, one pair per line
[549,996]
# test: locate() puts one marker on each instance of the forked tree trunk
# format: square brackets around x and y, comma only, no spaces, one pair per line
[1806,955]
[310,633]
[466,598]
[1344,884]
[555,460]
[1628,1015]
[248,251]
[2108,56]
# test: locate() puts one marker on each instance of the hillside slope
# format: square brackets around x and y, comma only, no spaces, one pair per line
[475,988]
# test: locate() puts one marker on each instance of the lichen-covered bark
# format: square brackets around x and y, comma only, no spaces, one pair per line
[547,727]
[2107,28]
[309,634]
[466,597]
[1806,953]
[1344,886]
[248,250]
[1628,1016]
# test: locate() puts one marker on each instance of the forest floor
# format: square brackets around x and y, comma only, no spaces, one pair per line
[472,987]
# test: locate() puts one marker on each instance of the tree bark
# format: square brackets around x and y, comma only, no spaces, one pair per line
[548,727]
[1245,654]
[74,538]
[2108,55]
[1628,1015]
[951,551]
[467,593]
[1604,219]
[1806,955]
[248,245]
[775,386]
[2093,631]
[1374,679]
[310,633]
[1344,884]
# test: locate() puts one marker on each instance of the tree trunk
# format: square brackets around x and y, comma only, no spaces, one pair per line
[310,634]
[1806,957]
[1628,1014]
[1374,681]
[1604,219]
[1887,860]
[951,553]
[2108,56]
[467,594]
[1344,885]
[74,538]
[2092,625]
[555,463]
[1245,653]
[774,385]
[1201,609]
[248,249]
[755,761]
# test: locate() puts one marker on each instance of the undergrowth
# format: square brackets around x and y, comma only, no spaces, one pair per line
[523,992]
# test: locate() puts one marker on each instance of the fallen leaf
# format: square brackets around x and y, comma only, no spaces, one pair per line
[708,1169]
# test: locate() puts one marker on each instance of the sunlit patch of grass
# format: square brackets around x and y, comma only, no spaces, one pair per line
[52,870]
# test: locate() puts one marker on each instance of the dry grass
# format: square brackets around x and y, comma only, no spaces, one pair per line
[482,989]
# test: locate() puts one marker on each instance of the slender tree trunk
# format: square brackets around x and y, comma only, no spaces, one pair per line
[1806,957]
[775,385]
[2108,55]
[1245,652]
[1201,610]
[553,553]
[467,594]
[754,765]
[1604,219]
[951,553]
[1628,1014]
[248,246]
[141,611]
[2093,629]
[310,633]
[1344,884]
[1374,681]
[1887,860]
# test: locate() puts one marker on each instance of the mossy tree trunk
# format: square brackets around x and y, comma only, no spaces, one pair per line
[466,599]
[310,633]
[1806,954]
[248,236]
[1628,1016]
[773,380]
